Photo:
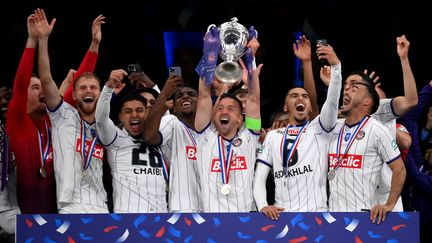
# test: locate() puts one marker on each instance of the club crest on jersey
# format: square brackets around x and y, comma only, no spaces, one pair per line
[237,142]
[353,161]
[347,136]
[360,135]
[238,163]
[190,152]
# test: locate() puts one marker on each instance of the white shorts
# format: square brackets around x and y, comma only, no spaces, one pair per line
[73,208]
[8,220]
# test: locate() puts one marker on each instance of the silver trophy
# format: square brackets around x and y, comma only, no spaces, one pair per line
[233,37]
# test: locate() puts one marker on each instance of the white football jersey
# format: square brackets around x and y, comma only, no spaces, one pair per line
[386,116]
[358,172]
[303,187]
[240,198]
[74,185]
[179,146]
[139,185]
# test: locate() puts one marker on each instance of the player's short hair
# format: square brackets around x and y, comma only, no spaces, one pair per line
[87,75]
[130,97]
[370,85]
[231,96]
[146,90]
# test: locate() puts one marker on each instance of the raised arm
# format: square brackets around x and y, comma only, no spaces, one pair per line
[302,50]
[18,104]
[329,110]
[253,104]
[204,106]
[151,126]
[88,64]
[43,29]
[104,125]
[402,104]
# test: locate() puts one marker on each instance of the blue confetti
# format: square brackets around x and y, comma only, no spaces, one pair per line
[189,238]
[144,234]
[373,235]
[156,219]
[85,237]
[116,217]
[245,219]
[392,241]
[48,240]
[403,215]
[86,220]
[319,238]
[58,222]
[347,221]
[29,240]
[243,236]
[139,220]
[296,219]
[169,241]
[261,241]
[304,226]
[210,240]
[174,232]
[216,222]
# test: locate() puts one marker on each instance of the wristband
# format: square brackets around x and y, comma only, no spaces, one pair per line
[253,124]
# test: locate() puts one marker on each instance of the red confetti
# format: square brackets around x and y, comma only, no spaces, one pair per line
[160,232]
[267,227]
[108,229]
[318,220]
[299,239]
[397,227]
[29,223]
[358,240]
[70,239]
[187,221]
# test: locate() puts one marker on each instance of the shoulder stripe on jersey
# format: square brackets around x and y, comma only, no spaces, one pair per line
[115,137]
[57,107]
[327,131]
[392,160]
[205,128]
[392,108]
[264,162]
[254,133]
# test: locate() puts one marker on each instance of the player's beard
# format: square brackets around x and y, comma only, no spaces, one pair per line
[87,109]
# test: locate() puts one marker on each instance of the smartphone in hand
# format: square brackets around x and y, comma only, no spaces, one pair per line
[174,71]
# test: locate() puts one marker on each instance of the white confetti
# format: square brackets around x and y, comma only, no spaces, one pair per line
[123,237]
[41,221]
[63,227]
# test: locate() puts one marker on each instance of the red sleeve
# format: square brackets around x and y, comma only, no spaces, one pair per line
[87,65]
[17,111]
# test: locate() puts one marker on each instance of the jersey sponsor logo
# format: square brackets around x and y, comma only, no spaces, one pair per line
[238,163]
[352,161]
[294,131]
[98,150]
[191,152]
[293,172]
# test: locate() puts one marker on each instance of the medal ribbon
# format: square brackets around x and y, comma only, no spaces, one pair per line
[350,142]
[190,135]
[44,151]
[86,158]
[5,162]
[286,153]
[225,161]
